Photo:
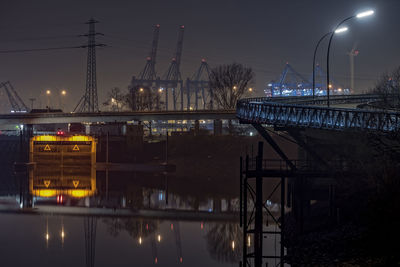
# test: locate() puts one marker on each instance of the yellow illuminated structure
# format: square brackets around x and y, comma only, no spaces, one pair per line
[64,165]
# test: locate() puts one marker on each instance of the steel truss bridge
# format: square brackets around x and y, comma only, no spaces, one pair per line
[306,112]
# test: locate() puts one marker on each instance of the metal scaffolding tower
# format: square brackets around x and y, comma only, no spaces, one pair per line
[89,102]
[200,82]
[17,105]
[172,78]
[256,226]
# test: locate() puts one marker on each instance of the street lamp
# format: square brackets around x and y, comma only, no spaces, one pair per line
[359,15]
[315,53]
[48,93]
[63,94]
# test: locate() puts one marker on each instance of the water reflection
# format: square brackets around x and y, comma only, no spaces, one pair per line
[157,213]
[224,242]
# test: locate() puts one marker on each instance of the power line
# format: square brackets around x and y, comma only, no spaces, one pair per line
[54,37]
[39,49]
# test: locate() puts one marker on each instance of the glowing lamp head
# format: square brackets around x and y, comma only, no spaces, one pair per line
[340,30]
[48,92]
[365,14]
[63,92]
[141,90]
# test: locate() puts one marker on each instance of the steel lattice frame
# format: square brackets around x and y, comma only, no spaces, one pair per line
[285,113]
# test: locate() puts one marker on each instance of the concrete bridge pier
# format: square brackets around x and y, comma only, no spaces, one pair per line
[22,168]
[196,127]
[217,127]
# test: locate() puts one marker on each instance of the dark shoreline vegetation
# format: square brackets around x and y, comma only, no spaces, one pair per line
[365,229]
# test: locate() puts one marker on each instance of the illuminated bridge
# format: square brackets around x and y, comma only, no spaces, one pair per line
[44,118]
[344,113]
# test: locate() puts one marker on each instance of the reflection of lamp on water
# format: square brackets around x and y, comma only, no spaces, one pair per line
[47,235]
[140,232]
[233,245]
[159,238]
[248,241]
[62,233]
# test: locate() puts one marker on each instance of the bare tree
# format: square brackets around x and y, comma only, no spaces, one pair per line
[224,242]
[388,88]
[116,100]
[229,83]
[143,98]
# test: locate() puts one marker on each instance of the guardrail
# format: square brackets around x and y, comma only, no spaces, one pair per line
[304,112]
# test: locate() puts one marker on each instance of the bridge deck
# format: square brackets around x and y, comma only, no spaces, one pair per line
[44,118]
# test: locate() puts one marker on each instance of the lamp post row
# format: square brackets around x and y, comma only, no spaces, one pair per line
[337,29]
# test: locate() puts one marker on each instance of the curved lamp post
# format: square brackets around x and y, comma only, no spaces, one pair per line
[315,53]
[337,30]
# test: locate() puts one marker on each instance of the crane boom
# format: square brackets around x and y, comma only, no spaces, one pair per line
[17,96]
[149,71]
[14,98]
[179,45]
[154,46]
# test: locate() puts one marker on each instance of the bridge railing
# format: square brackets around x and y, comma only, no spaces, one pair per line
[318,100]
[303,114]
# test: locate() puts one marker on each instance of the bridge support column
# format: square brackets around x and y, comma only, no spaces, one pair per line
[22,168]
[196,127]
[217,127]
[217,205]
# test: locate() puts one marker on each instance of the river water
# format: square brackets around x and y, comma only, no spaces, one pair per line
[184,217]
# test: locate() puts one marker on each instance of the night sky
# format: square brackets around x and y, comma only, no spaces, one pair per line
[261,34]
